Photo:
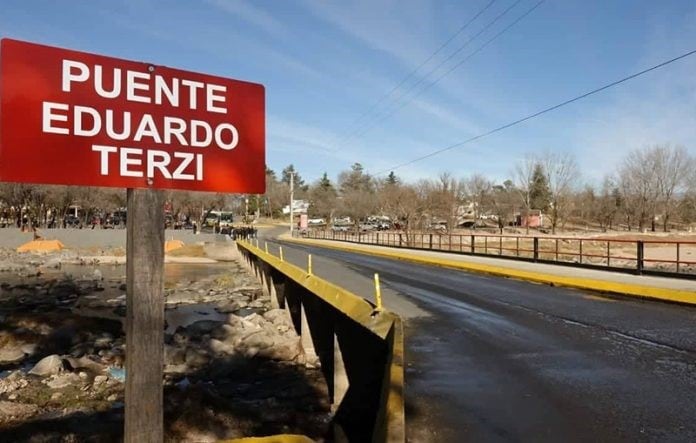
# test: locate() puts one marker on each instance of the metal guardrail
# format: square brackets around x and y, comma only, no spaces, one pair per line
[623,255]
[359,345]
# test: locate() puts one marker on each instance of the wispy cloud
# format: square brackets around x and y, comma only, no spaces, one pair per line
[386,26]
[252,14]
[655,109]
[215,41]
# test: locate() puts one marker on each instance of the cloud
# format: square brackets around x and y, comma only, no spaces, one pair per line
[298,136]
[251,14]
[657,108]
[387,26]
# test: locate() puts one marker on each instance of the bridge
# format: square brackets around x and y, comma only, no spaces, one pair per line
[489,358]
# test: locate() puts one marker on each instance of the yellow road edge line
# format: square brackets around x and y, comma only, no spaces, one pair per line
[672,295]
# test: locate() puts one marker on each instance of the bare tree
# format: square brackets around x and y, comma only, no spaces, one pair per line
[672,168]
[640,185]
[561,175]
[478,189]
[523,175]
[503,199]
[405,205]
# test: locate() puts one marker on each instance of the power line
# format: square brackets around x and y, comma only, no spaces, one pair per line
[425,62]
[536,114]
[399,106]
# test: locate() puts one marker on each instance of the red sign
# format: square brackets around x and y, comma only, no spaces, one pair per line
[74,118]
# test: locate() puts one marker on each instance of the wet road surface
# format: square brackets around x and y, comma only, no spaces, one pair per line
[493,359]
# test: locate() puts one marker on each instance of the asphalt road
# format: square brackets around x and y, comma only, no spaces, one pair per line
[494,359]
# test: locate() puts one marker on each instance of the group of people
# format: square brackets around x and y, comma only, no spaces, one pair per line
[245,232]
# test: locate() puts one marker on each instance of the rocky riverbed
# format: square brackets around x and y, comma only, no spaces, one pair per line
[233,366]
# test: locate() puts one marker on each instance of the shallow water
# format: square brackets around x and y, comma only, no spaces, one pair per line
[181,315]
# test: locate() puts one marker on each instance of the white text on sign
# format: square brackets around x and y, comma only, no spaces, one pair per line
[120,126]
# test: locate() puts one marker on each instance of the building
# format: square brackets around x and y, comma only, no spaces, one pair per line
[534,219]
[298,207]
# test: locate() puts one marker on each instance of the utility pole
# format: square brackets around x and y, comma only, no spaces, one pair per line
[292,197]
[246,209]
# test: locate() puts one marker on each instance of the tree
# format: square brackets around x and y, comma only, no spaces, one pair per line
[503,199]
[358,199]
[404,205]
[299,182]
[355,180]
[607,204]
[523,178]
[539,192]
[672,168]
[640,188]
[561,173]
[322,198]
[443,198]
[478,189]
[392,179]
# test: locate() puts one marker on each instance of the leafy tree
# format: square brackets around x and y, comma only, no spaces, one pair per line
[325,183]
[355,180]
[299,181]
[358,198]
[539,193]
[322,197]
[392,179]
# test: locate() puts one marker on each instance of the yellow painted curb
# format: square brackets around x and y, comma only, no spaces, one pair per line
[673,295]
[41,246]
[171,245]
[384,324]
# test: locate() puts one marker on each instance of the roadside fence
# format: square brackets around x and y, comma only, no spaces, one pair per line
[666,257]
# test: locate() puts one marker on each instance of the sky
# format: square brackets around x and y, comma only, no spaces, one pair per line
[330,69]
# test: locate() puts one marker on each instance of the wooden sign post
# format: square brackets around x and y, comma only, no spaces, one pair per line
[144,316]
[74,118]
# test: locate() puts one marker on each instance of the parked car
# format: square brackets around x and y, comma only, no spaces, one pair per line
[365,227]
[71,221]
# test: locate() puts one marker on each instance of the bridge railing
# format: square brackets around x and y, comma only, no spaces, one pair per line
[359,346]
[673,258]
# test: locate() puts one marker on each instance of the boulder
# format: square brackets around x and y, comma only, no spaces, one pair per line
[11,353]
[261,340]
[50,365]
[196,358]
[12,382]
[85,363]
[221,347]
[278,317]
[60,381]
[288,349]
[174,355]
[202,327]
